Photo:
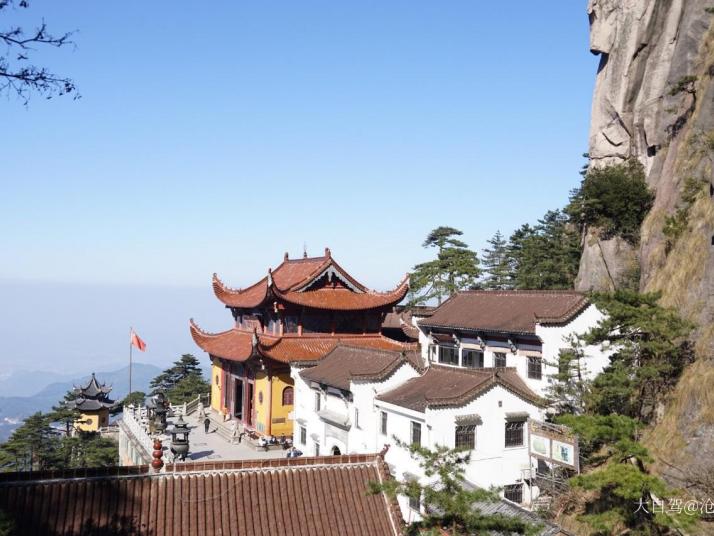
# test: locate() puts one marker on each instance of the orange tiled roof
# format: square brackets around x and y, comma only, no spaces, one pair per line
[239,345]
[344,299]
[323,495]
[291,279]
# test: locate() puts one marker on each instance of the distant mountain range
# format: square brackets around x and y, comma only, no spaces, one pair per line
[14,409]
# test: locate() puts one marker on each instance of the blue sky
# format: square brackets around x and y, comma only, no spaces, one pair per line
[214,137]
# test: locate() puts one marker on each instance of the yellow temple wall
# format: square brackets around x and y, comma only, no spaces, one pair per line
[92,422]
[216,386]
[280,424]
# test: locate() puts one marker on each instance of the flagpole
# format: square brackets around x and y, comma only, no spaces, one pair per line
[131,330]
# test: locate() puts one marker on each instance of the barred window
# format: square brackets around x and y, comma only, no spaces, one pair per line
[499,359]
[415,502]
[465,436]
[448,355]
[318,400]
[535,368]
[288,396]
[356,418]
[303,435]
[383,423]
[513,492]
[514,433]
[472,358]
[416,433]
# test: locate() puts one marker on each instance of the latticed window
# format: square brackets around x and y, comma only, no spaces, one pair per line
[448,355]
[513,492]
[514,433]
[288,396]
[499,359]
[472,358]
[465,436]
[318,401]
[415,502]
[535,368]
[416,433]
[383,423]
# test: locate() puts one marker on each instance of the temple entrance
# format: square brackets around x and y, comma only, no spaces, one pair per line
[248,414]
[336,451]
[238,400]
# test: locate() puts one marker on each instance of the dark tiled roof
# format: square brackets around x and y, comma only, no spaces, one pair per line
[345,363]
[301,496]
[93,389]
[443,386]
[90,404]
[237,344]
[506,311]
[402,321]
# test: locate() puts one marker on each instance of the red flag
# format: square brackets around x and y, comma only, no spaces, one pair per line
[136,341]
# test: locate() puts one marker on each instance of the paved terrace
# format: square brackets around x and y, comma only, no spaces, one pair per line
[211,446]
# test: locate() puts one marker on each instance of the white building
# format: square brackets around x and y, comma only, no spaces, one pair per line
[335,400]
[486,360]
[524,329]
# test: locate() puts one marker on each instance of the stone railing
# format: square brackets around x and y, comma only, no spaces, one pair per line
[136,421]
[187,408]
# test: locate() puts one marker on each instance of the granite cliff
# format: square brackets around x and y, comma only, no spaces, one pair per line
[654,101]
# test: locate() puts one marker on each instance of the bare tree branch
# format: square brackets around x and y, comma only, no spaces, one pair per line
[17,75]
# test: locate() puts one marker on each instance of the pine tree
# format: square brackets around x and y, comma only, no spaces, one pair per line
[65,415]
[33,446]
[496,264]
[448,504]
[650,352]
[183,367]
[545,256]
[622,490]
[455,268]
[88,449]
[569,391]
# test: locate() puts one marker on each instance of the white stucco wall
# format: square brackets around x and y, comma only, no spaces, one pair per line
[355,439]
[491,464]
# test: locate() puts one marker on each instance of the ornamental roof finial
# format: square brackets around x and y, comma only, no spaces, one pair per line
[327,252]
[270,277]
[286,257]
[254,339]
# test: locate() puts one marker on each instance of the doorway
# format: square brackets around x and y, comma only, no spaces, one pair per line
[248,414]
[336,451]
[238,400]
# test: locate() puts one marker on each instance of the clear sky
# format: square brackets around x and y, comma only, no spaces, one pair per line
[212,137]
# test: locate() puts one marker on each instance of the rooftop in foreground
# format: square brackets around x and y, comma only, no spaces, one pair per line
[300,496]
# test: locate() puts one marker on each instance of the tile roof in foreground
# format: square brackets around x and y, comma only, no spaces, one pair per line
[443,386]
[346,363]
[300,496]
[294,281]
[239,344]
[506,311]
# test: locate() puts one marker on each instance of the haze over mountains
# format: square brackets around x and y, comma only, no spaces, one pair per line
[13,409]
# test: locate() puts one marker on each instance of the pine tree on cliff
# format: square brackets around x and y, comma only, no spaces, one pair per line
[455,268]
[496,265]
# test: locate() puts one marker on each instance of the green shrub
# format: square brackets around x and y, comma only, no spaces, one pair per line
[614,198]
[676,224]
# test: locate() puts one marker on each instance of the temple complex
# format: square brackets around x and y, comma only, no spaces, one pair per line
[297,313]
[93,402]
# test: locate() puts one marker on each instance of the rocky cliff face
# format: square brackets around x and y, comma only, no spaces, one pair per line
[654,100]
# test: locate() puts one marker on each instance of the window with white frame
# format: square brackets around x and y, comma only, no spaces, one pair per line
[465,436]
[513,492]
[535,368]
[415,502]
[471,358]
[514,433]
[356,417]
[448,355]
[383,422]
[318,400]
[303,435]
[416,433]
[499,359]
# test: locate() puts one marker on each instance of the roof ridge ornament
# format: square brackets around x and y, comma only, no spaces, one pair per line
[286,257]
[270,277]
[328,253]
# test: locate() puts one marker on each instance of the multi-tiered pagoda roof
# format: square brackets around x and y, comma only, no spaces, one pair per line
[92,397]
[296,288]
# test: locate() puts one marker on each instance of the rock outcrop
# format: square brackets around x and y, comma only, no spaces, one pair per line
[654,101]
